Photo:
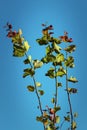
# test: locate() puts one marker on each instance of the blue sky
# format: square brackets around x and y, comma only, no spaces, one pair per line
[18,107]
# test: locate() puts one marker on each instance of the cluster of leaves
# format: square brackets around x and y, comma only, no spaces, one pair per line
[49,118]
[59,67]
[20,45]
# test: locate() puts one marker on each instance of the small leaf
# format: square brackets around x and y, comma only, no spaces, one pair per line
[60,57]
[45,114]
[53,100]
[48,49]
[74,125]
[46,122]
[69,62]
[48,58]
[49,128]
[28,71]
[75,114]
[57,108]
[29,58]
[61,71]
[38,84]
[18,47]
[20,32]
[70,48]
[43,40]
[41,92]
[30,88]
[72,90]
[72,79]
[26,61]
[50,73]
[44,60]
[26,45]
[57,119]
[37,64]
[56,47]
[67,118]
[18,50]
[17,53]
[59,84]
[55,40]
[39,118]
[17,39]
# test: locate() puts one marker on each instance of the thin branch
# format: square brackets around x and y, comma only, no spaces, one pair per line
[56,90]
[68,95]
[56,96]
[38,97]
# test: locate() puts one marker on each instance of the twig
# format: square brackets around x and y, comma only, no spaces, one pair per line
[69,101]
[56,91]
[36,91]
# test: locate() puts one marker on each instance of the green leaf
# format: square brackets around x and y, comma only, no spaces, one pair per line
[67,118]
[57,119]
[44,60]
[56,47]
[41,92]
[72,90]
[70,48]
[30,88]
[59,84]
[18,47]
[48,49]
[37,64]
[72,79]
[55,40]
[39,118]
[38,84]
[50,73]
[26,45]
[48,58]
[74,125]
[26,61]
[49,128]
[53,100]
[75,114]
[17,39]
[20,32]
[59,59]
[61,71]
[28,71]
[18,53]
[69,62]
[46,122]
[42,41]
[57,108]
[18,50]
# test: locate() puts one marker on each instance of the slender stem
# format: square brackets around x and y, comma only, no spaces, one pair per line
[38,97]
[56,96]
[56,91]
[69,101]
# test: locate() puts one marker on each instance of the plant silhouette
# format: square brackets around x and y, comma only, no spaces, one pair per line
[60,61]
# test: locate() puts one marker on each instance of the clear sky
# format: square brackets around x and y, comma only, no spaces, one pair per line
[18,107]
